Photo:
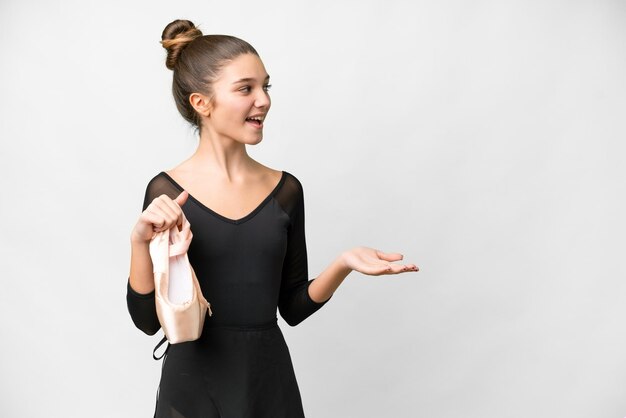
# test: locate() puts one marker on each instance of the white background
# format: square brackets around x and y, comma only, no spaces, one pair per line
[483,140]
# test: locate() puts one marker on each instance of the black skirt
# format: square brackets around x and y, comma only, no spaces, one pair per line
[230,372]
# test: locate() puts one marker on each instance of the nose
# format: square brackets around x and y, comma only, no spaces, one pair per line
[262,99]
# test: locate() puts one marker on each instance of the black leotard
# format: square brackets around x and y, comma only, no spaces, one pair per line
[241,366]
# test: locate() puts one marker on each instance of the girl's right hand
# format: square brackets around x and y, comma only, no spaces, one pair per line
[160,215]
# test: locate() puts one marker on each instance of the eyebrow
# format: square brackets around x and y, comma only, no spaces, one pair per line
[243,80]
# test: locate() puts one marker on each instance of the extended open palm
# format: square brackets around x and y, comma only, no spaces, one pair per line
[374,262]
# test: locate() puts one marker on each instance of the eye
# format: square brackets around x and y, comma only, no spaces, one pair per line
[245,89]
[267,87]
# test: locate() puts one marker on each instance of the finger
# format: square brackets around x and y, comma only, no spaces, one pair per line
[373,269]
[178,211]
[389,256]
[155,219]
[168,206]
[399,268]
[172,204]
[182,198]
[395,269]
[382,269]
[162,218]
[180,201]
[385,269]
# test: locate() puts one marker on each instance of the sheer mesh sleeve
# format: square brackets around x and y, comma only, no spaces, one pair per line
[294,303]
[142,307]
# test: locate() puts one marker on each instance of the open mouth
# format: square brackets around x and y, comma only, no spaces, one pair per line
[256,121]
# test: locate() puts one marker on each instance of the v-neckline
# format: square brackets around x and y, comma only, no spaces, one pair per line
[250,215]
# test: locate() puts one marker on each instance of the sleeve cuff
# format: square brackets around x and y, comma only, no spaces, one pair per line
[136,294]
[311,301]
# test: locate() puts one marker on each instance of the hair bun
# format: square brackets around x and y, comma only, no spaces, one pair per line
[175,37]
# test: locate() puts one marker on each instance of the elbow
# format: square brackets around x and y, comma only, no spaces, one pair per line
[142,310]
[292,323]
[146,320]
[146,326]
[151,330]
[290,318]
[294,311]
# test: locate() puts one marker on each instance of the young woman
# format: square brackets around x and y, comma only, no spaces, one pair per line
[248,248]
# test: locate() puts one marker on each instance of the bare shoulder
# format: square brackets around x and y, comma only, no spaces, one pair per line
[182,173]
[271,175]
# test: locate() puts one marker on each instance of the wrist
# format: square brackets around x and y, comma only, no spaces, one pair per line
[342,260]
[138,242]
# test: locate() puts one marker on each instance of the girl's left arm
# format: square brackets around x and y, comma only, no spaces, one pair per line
[362,259]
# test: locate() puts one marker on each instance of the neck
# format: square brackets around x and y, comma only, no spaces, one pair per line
[221,157]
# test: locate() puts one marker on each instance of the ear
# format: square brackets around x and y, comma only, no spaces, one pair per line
[201,103]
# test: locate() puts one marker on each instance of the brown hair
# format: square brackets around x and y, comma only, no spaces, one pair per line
[196,60]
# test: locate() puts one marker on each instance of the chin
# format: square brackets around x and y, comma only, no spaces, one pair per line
[256,141]
[250,140]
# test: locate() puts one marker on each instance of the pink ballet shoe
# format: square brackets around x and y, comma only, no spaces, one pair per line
[180,305]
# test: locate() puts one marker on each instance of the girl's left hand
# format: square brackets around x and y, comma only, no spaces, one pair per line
[374,262]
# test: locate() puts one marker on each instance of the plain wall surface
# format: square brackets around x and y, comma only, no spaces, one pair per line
[482,140]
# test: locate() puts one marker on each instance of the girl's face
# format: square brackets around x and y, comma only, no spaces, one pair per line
[241,100]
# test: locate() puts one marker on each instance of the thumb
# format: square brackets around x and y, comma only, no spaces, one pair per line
[389,256]
[182,198]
